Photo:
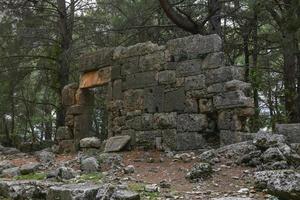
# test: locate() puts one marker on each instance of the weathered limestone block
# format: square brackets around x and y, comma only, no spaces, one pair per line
[97,60]
[237,85]
[169,139]
[68,94]
[95,78]
[141,80]
[191,122]
[154,99]
[198,94]
[116,72]
[216,88]
[194,82]
[229,120]
[134,100]
[193,46]
[206,105]
[154,61]
[166,77]
[147,139]
[64,133]
[224,74]
[174,100]
[291,131]
[191,105]
[190,141]
[117,89]
[129,65]
[165,120]
[117,143]
[137,50]
[214,60]
[231,137]
[232,99]
[188,68]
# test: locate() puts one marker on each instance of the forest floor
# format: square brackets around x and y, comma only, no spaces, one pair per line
[168,173]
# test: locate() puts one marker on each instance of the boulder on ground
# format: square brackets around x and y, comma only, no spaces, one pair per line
[73,191]
[285,184]
[29,168]
[200,171]
[90,142]
[89,165]
[5,164]
[11,172]
[45,157]
[117,143]
[266,140]
[65,173]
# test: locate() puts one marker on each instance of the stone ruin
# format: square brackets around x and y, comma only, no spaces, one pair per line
[179,96]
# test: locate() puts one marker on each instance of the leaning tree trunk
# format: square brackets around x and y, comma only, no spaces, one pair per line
[214,11]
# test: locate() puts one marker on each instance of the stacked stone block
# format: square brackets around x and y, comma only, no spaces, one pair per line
[180,96]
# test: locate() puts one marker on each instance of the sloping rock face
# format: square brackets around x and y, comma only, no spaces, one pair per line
[178,96]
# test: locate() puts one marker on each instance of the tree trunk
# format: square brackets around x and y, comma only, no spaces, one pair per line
[214,11]
[289,76]
[65,24]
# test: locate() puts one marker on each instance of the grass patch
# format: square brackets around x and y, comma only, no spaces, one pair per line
[32,176]
[93,177]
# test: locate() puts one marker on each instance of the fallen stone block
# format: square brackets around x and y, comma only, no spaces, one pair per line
[117,143]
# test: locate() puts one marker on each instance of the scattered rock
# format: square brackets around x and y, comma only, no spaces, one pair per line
[200,171]
[125,195]
[117,143]
[45,157]
[164,184]
[5,165]
[11,172]
[129,169]
[89,165]
[73,191]
[152,188]
[90,142]
[232,198]
[244,191]
[284,184]
[65,173]
[266,140]
[29,168]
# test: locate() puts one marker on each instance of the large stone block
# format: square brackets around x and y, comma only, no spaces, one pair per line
[147,139]
[166,77]
[228,120]
[134,100]
[194,82]
[95,78]
[96,60]
[232,99]
[213,60]
[117,89]
[188,68]
[154,61]
[164,120]
[190,141]
[224,74]
[154,99]
[291,131]
[68,94]
[194,46]
[169,139]
[174,100]
[129,66]
[141,80]
[137,50]
[191,122]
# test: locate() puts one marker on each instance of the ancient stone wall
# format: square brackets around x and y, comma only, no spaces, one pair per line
[180,96]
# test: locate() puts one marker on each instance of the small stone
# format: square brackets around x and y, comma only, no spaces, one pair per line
[89,165]
[129,169]
[90,142]
[164,184]
[152,188]
[244,191]
[11,172]
[29,168]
